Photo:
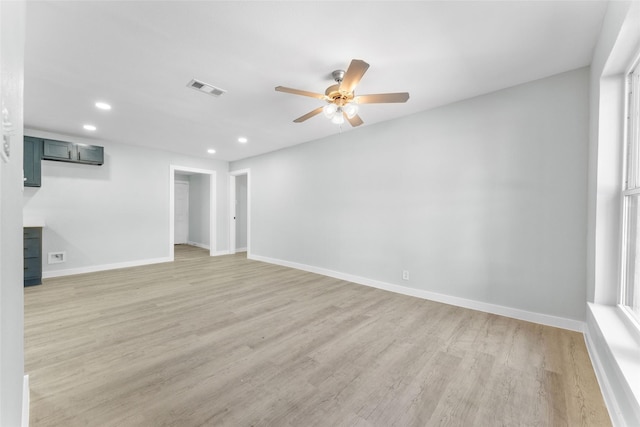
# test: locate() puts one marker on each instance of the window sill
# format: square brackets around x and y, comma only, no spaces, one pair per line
[614,345]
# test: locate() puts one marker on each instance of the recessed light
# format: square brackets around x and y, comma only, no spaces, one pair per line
[211,151]
[242,140]
[103,106]
[89,127]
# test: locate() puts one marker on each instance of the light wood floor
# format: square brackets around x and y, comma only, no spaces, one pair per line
[228,341]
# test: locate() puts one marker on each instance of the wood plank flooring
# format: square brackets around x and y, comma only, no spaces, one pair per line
[228,341]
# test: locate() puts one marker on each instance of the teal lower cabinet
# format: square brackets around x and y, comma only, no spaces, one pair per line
[32,256]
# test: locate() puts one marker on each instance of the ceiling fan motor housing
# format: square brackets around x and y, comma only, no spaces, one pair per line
[337,96]
[338,75]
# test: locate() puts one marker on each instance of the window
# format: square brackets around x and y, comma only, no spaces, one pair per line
[630,289]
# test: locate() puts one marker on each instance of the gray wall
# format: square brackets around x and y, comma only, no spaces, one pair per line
[115,213]
[483,199]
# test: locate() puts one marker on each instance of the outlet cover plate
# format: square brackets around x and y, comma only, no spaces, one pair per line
[56,257]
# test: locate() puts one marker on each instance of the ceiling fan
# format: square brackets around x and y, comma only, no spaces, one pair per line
[342,102]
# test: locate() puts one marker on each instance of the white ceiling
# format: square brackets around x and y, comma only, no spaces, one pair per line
[140,55]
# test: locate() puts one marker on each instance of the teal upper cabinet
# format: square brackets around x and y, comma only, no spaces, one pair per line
[69,152]
[31,161]
[90,154]
[57,150]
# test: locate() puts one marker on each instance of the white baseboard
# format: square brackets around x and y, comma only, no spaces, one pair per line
[529,316]
[26,401]
[241,249]
[203,246]
[228,252]
[198,245]
[104,267]
[220,253]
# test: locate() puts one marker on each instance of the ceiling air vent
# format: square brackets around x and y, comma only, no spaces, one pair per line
[206,88]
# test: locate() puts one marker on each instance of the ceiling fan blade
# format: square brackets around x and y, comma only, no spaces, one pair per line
[354,121]
[308,115]
[383,98]
[354,73]
[300,92]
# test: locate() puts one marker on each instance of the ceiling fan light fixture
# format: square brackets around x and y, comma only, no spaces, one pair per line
[350,110]
[338,118]
[329,110]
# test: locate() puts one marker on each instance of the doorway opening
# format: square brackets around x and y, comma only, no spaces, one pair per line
[240,212]
[192,213]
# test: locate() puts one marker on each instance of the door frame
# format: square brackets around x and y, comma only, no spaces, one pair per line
[232,210]
[212,205]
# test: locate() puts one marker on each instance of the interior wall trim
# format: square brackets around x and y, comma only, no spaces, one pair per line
[603,381]
[104,267]
[613,356]
[529,316]
[220,253]
[26,401]
[198,245]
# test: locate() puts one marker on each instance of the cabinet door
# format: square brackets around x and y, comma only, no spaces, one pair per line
[31,161]
[32,256]
[90,154]
[57,150]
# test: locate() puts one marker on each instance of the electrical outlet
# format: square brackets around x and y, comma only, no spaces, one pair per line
[405,275]
[57,257]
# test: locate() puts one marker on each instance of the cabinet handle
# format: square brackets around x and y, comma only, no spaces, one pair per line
[69,154]
[78,154]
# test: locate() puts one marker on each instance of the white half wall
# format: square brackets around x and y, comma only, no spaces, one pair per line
[12,24]
[482,200]
[116,214]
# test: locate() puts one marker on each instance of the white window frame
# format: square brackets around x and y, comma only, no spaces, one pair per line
[631,179]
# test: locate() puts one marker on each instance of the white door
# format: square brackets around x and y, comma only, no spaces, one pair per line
[181,213]
[232,214]
[241,213]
